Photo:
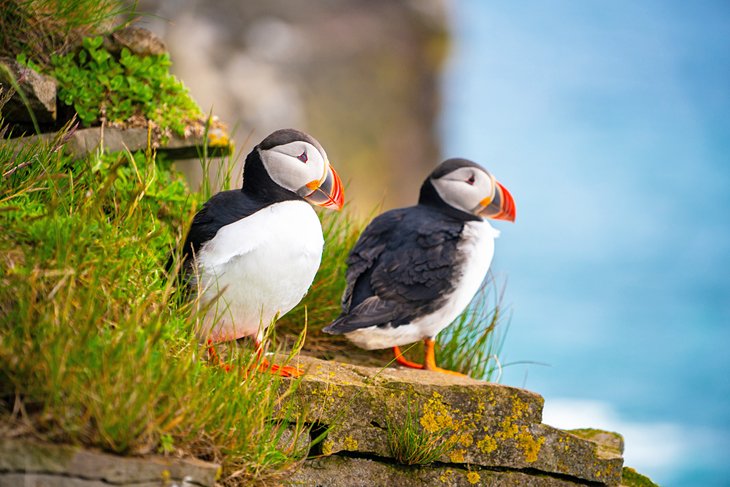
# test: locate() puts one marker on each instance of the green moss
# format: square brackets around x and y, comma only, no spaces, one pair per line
[631,478]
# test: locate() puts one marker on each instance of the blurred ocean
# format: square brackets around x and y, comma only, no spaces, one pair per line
[610,124]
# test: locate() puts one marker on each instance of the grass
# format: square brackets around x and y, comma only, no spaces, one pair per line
[410,444]
[43,28]
[96,346]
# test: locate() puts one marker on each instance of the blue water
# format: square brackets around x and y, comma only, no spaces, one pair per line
[610,124]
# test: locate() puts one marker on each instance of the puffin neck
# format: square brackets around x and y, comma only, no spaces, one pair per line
[258,184]
[429,197]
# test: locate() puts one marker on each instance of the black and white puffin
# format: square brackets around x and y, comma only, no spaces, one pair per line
[254,252]
[414,270]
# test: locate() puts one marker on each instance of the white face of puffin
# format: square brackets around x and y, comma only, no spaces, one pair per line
[473,190]
[301,168]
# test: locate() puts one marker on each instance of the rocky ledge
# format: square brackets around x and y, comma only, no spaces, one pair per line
[494,433]
[486,434]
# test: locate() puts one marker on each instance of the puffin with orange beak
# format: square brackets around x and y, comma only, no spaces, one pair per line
[414,270]
[252,253]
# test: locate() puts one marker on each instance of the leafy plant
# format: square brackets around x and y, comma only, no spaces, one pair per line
[101,86]
[410,444]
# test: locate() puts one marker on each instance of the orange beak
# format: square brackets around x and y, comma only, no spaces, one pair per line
[328,192]
[499,207]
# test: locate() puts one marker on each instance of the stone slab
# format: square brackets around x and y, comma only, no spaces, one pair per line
[52,464]
[360,472]
[85,141]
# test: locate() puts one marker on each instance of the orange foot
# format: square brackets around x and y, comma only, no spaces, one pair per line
[282,370]
[263,366]
[429,362]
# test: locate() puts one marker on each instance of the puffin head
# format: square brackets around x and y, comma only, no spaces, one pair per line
[469,189]
[289,162]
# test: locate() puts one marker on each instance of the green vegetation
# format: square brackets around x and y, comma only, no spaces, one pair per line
[43,28]
[96,346]
[101,86]
[632,478]
[410,444]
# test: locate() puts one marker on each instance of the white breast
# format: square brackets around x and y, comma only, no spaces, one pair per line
[477,249]
[258,268]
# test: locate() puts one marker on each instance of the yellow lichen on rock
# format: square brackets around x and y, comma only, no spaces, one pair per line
[473,477]
[327,447]
[350,443]
[446,476]
[529,444]
[436,415]
[487,444]
[466,439]
[457,456]
[510,430]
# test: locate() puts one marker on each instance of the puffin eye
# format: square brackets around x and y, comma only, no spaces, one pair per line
[303,157]
[471,180]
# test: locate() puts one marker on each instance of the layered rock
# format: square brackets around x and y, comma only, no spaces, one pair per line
[493,436]
[27,462]
[495,433]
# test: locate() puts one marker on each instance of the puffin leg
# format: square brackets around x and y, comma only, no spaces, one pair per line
[263,364]
[266,366]
[429,345]
[214,357]
[403,361]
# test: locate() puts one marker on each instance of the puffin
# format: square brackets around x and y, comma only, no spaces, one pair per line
[252,253]
[414,270]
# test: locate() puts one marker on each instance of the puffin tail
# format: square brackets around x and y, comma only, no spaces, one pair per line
[335,328]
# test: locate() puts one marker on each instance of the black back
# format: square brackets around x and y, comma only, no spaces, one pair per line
[401,268]
[404,264]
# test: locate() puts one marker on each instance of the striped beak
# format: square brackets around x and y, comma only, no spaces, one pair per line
[499,206]
[327,193]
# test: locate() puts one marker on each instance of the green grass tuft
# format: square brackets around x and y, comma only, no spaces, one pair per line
[410,444]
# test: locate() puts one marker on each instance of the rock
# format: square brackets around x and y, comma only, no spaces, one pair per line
[39,91]
[85,141]
[138,40]
[26,462]
[337,471]
[490,427]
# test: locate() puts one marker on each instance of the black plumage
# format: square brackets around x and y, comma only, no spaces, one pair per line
[403,265]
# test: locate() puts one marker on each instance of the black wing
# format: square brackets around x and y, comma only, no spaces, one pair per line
[220,210]
[400,268]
